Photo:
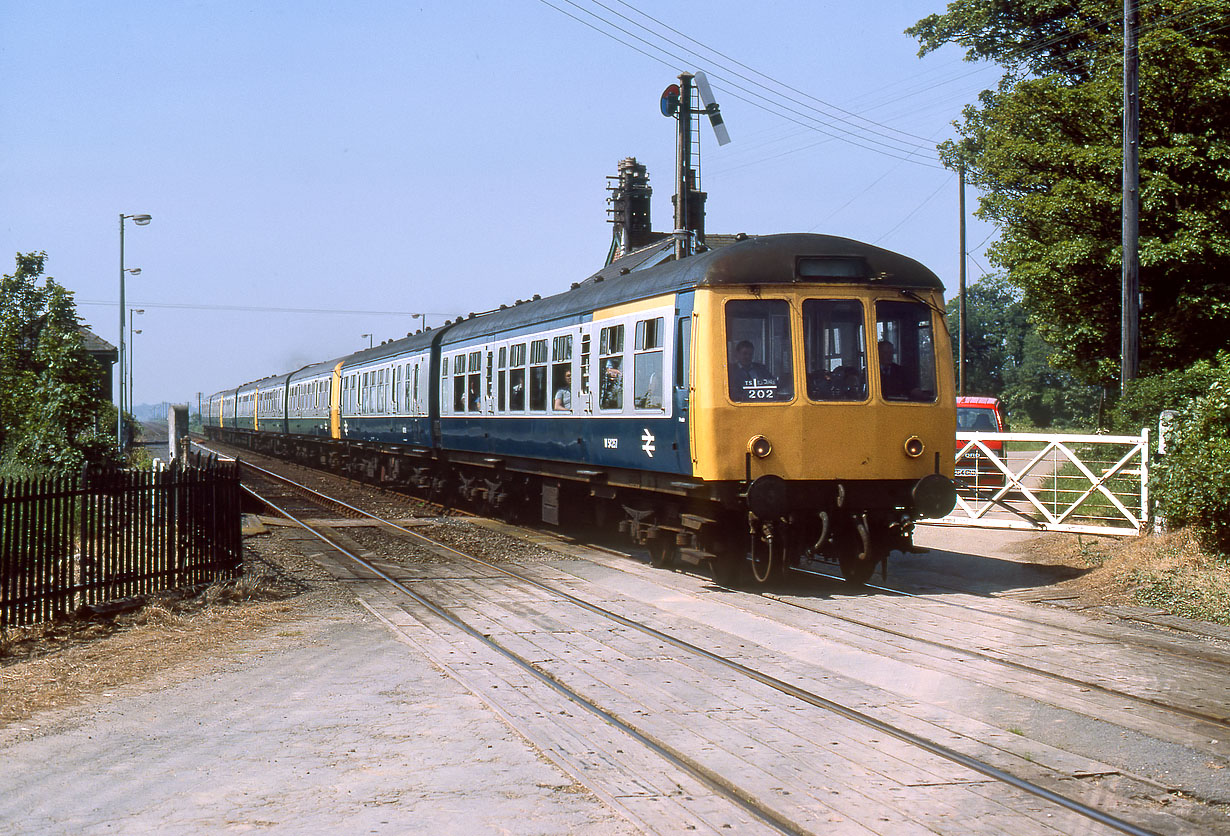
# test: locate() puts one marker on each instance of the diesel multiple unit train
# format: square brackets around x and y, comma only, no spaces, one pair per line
[782,402]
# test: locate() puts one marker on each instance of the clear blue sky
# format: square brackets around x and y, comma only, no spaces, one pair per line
[382,158]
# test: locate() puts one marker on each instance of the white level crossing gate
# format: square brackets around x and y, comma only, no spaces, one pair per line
[1088,484]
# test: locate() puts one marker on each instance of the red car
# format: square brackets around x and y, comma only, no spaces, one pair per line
[974,469]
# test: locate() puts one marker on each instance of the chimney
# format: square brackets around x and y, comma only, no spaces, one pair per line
[629,208]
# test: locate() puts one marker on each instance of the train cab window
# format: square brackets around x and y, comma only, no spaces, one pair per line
[538,376]
[561,373]
[835,349]
[905,351]
[516,378]
[611,367]
[760,365]
[647,365]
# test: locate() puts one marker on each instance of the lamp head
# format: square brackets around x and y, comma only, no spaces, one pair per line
[136,271]
[141,220]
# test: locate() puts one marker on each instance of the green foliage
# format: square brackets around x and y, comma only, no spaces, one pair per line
[1045,150]
[1203,598]
[52,419]
[1145,398]
[1005,357]
[1192,484]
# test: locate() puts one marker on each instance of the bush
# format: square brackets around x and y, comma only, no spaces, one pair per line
[1144,399]
[1192,484]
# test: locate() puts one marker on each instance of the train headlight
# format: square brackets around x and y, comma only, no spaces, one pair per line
[914,447]
[759,446]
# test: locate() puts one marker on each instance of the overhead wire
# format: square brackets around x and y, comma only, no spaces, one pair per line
[751,97]
[821,102]
[261,309]
[892,142]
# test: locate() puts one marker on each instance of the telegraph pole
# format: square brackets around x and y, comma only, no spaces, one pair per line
[961,284]
[1129,345]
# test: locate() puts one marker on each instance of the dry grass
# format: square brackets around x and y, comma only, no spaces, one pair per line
[64,663]
[1168,571]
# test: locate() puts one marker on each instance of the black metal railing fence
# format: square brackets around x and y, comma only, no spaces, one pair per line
[106,535]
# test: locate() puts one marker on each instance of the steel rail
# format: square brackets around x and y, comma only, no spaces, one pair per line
[1221,722]
[781,686]
[702,774]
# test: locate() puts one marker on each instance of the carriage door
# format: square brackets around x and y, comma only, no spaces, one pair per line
[683,368]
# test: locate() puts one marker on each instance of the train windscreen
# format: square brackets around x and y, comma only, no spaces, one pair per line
[834,340]
[759,357]
[905,350]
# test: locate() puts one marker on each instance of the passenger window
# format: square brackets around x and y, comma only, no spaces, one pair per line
[516,379]
[759,358]
[834,347]
[474,390]
[503,379]
[611,368]
[585,347]
[905,351]
[459,383]
[538,376]
[647,367]
[561,373]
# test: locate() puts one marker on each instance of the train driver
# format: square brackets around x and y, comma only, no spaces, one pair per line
[749,380]
[893,382]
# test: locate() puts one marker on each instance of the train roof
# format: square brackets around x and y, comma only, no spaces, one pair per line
[759,260]
[651,271]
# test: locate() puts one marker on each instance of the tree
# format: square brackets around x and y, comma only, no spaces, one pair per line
[20,307]
[995,326]
[1005,357]
[1045,150]
[52,418]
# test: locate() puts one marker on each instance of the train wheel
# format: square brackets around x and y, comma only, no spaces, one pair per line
[727,568]
[856,571]
[661,553]
[860,557]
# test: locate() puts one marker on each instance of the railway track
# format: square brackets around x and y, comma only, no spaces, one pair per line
[770,813]
[1216,664]
[1212,712]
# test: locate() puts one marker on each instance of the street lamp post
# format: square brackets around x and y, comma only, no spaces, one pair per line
[132,350]
[139,220]
[369,339]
